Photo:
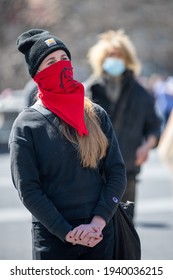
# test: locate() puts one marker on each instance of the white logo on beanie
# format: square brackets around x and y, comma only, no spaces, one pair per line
[50,42]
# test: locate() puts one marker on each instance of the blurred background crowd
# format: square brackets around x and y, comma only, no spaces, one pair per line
[148,23]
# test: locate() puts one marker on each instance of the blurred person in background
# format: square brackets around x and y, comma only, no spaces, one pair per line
[30,93]
[163,94]
[114,85]
[155,84]
[65,159]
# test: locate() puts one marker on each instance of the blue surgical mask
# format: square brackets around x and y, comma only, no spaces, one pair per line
[114,66]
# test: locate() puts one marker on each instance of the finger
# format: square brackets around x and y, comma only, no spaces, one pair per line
[91,231]
[68,237]
[96,228]
[82,231]
[83,242]
[90,234]
[77,235]
[93,241]
[73,232]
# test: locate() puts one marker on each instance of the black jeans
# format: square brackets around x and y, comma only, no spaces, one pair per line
[46,246]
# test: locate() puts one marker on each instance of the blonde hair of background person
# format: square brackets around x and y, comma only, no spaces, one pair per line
[109,41]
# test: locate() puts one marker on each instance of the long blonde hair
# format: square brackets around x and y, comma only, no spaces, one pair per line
[110,40]
[91,148]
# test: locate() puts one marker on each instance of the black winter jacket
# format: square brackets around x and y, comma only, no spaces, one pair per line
[133,116]
[49,178]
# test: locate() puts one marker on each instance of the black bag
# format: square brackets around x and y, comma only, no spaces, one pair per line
[127,243]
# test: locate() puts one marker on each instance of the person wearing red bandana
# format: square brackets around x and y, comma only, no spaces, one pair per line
[65,159]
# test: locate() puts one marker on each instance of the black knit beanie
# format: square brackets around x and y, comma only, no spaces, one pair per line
[36,44]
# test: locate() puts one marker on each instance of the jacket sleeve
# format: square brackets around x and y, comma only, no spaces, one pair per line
[25,176]
[114,173]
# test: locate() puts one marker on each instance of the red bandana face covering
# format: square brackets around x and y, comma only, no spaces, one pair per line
[62,95]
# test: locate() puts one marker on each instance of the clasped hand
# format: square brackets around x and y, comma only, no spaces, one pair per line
[85,234]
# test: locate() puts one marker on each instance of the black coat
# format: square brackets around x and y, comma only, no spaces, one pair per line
[133,115]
